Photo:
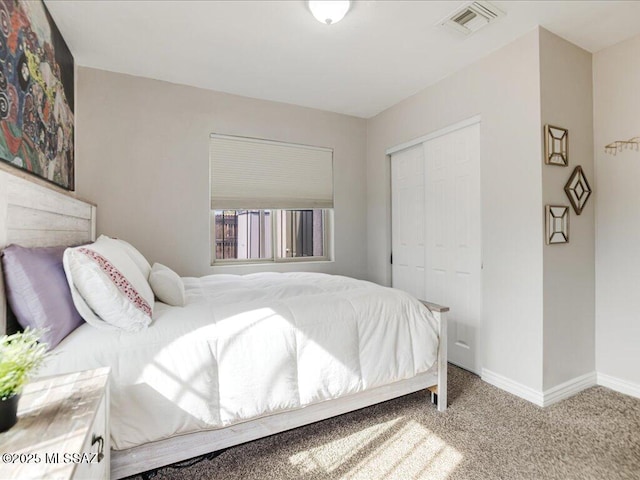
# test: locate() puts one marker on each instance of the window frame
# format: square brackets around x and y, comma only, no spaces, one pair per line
[327,232]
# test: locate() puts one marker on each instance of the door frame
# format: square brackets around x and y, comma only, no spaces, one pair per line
[438,133]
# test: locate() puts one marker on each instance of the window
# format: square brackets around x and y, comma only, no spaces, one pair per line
[242,234]
[300,233]
[270,201]
[251,234]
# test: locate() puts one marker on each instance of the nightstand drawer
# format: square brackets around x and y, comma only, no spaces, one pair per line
[94,455]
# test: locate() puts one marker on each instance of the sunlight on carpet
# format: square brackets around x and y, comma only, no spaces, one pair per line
[400,448]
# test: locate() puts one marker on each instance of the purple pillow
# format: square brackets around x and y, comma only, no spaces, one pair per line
[38,292]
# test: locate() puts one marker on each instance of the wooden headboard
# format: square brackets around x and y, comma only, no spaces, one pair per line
[34,215]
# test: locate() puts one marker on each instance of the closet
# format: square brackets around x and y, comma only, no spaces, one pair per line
[436,230]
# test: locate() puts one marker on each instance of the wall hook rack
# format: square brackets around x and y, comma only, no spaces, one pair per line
[619,145]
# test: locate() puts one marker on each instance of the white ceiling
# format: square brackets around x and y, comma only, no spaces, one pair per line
[381,53]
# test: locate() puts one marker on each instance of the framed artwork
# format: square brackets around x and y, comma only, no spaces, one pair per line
[556,146]
[578,190]
[557,224]
[36,93]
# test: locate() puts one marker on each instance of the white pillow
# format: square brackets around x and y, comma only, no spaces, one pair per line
[139,259]
[167,285]
[107,287]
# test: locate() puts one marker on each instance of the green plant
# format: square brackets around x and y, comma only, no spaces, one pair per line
[20,356]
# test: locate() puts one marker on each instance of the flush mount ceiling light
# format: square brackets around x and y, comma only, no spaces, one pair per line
[329,11]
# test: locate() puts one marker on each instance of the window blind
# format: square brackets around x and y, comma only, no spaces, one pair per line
[250,173]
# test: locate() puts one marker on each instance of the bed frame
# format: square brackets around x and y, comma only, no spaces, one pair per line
[32,214]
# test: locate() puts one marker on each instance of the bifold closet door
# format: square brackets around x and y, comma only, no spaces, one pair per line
[444,241]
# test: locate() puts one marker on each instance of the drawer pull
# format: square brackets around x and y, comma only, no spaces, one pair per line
[100,441]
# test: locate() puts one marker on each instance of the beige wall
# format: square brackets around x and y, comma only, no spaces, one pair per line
[504,88]
[569,271]
[142,156]
[616,78]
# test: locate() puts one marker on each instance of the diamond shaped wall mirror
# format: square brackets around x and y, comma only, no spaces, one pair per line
[556,146]
[578,190]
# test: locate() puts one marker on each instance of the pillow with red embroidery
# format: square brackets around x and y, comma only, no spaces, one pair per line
[107,287]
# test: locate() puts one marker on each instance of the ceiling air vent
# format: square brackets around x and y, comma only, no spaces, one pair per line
[471,17]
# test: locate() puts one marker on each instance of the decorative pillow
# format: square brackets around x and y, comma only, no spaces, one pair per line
[107,287]
[38,292]
[136,256]
[167,285]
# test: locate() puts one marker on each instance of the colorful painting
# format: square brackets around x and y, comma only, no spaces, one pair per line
[36,93]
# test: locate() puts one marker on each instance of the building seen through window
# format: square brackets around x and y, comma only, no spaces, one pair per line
[269,234]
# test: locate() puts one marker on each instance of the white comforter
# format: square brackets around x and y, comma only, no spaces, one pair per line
[249,346]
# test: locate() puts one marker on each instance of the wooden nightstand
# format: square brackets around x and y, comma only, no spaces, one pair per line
[62,430]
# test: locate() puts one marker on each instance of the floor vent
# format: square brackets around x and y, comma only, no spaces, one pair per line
[471,17]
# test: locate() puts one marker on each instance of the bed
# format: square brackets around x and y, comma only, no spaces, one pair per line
[246,357]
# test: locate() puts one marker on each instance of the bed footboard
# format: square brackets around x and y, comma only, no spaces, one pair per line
[440,313]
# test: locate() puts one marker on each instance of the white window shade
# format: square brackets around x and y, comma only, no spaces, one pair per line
[249,173]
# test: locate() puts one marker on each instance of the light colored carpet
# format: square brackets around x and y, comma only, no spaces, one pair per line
[485,434]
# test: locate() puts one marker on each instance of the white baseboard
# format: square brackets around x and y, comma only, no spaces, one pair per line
[542,399]
[619,385]
[508,385]
[569,388]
